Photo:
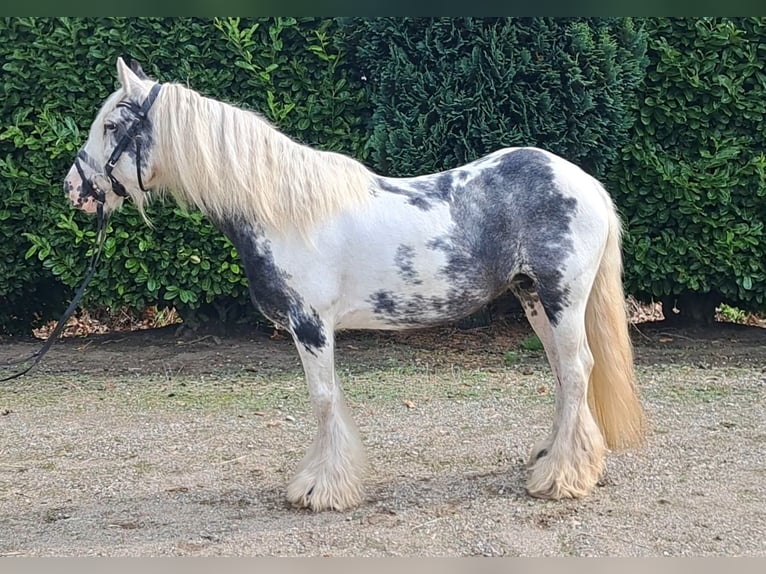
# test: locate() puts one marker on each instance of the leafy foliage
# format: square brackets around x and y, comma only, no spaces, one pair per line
[684,160]
[691,183]
[56,74]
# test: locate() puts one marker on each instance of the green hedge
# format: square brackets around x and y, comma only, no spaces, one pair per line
[684,159]
[57,72]
[691,184]
[449,90]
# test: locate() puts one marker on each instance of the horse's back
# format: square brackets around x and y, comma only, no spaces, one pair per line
[434,248]
[511,209]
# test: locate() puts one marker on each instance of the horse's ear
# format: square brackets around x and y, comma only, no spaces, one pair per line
[136,67]
[127,77]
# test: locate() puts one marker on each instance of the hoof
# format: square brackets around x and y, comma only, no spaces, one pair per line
[540,450]
[556,477]
[318,493]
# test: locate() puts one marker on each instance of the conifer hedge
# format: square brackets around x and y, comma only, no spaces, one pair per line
[446,91]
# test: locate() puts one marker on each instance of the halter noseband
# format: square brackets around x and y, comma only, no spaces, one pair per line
[133,134]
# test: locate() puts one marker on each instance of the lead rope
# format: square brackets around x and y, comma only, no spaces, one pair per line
[38,355]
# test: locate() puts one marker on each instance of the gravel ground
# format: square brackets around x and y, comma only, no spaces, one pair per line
[147,445]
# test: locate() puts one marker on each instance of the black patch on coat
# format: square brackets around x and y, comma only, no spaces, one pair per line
[405,254]
[307,328]
[510,218]
[420,193]
[383,303]
[437,187]
[418,309]
[420,202]
[269,289]
[523,286]
[144,138]
[414,197]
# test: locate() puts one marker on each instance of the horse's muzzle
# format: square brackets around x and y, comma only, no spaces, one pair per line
[73,188]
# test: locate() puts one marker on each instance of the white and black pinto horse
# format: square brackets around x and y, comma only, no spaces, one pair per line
[329,245]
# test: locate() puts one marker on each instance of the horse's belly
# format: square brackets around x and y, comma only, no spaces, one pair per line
[407,309]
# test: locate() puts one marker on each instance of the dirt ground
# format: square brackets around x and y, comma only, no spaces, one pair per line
[147,444]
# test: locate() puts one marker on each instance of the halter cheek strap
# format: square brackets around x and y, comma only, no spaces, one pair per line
[133,135]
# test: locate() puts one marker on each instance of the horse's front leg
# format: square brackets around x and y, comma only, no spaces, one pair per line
[330,475]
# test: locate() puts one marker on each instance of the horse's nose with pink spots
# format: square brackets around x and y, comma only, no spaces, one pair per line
[73,188]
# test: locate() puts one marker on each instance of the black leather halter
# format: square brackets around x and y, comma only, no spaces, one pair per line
[133,134]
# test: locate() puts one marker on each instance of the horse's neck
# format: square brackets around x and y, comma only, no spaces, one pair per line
[267,178]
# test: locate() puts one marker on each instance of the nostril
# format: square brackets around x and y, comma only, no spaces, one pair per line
[67,187]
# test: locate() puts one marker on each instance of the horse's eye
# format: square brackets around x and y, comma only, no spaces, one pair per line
[110,126]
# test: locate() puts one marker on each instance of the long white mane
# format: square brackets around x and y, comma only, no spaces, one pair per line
[229,162]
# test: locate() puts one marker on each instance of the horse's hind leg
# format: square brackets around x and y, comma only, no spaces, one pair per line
[569,462]
[330,475]
[524,289]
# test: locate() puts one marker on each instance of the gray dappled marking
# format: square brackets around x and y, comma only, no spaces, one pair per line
[510,218]
[420,192]
[404,261]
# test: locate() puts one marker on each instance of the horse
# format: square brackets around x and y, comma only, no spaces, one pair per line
[327,244]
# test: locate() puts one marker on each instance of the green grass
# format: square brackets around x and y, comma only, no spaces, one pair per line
[732,314]
[532,343]
[528,347]
[245,391]
[512,358]
[699,385]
